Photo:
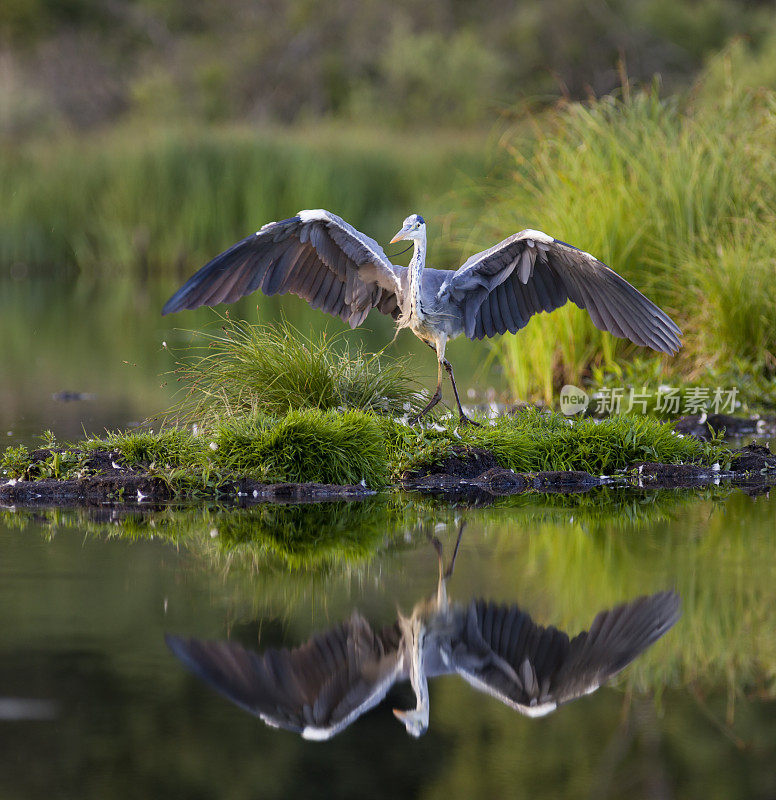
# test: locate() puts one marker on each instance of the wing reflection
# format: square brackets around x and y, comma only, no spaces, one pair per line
[321,687]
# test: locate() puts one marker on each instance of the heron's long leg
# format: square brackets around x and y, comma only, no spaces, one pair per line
[464,419]
[451,566]
[444,574]
[435,398]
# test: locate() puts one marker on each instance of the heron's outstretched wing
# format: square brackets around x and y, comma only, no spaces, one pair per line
[499,290]
[502,651]
[315,255]
[317,689]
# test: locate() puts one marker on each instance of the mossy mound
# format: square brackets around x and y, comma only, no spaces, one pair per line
[359,447]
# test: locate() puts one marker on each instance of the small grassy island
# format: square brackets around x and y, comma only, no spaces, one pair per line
[268,412]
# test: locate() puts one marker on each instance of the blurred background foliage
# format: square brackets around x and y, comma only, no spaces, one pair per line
[138,139]
[88,63]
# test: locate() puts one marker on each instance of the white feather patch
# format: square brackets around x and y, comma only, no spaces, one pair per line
[311,215]
[537,236]
[317,734]
[540,710]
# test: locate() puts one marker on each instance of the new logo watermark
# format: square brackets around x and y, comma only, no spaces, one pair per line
[573,400]
[667,400]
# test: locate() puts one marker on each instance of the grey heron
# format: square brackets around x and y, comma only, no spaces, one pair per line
[321,687]
[321,258]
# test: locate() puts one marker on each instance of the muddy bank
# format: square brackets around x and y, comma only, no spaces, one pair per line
[456,477]
[133,489]
[105,477]
[471,474]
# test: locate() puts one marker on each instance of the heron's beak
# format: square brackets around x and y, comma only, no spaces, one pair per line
[400,235]
[413,720]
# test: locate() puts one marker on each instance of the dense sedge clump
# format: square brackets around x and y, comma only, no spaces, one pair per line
[679,199]
[272,369]
[311,445]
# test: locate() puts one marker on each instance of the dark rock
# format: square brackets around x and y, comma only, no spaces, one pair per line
[96,489]
[71,397]
[702,428]
[502,481]
[463,462]
[564,481]
[753,458]
[669,476]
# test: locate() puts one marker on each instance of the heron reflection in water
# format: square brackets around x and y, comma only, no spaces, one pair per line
[321,687]
[321,258]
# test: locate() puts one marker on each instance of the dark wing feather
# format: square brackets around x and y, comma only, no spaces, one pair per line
[502,651]
[499,289]
[315,255]
[316,689]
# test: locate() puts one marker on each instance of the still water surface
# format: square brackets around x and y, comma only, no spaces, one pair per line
[88,596]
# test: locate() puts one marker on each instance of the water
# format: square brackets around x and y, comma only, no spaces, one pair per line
[93,704]
[87,597]
[109,342]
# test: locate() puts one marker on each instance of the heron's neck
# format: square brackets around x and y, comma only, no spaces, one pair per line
[418,677]
[417,265]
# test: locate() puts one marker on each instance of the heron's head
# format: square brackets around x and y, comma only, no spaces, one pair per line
[415,720]
[414,227]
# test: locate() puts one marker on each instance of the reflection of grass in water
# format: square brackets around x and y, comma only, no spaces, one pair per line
[266,537]
[723,572]
[304,537]
[719,557]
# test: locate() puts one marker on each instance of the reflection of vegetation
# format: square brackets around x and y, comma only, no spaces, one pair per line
[668,193]
[562,558]
[308,537]
[616,508]
[718,557]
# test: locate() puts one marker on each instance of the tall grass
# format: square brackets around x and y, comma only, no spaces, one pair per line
[164,201]
[681,200]
[244,368]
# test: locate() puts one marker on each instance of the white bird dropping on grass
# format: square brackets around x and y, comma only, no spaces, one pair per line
[213,446]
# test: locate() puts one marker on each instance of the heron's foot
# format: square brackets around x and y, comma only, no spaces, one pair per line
[464,420]
[436,397]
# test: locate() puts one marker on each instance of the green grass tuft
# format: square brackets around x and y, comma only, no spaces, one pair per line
[272,369]
[310,445]
[14,462]
[531,441]
[170,447]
